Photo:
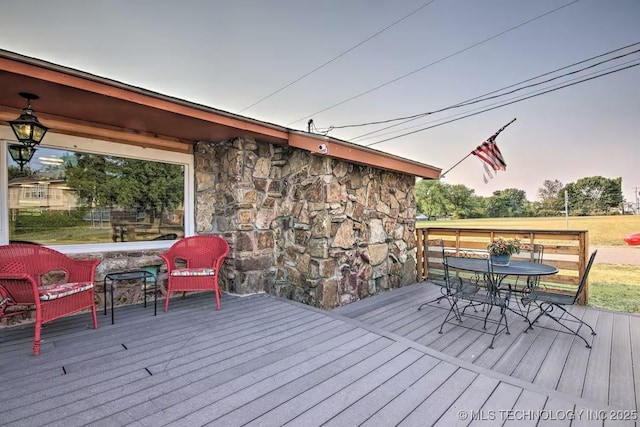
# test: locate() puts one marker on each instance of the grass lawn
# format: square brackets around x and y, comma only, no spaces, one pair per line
[611,287]
[615,287]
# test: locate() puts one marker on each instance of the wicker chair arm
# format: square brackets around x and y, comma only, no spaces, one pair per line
[82,270]
[166,256]
[15,276]
[21,287]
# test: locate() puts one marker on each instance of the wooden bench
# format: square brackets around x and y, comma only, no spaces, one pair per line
[47,281]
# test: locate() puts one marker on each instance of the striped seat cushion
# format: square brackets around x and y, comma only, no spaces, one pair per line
[193,272]
[59,290]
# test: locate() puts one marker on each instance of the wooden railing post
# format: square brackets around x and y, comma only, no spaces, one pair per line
[583,299]
[420,254]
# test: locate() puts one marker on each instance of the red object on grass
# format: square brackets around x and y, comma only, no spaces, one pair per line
[633,239]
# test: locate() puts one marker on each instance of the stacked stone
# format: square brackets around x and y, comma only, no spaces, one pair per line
[305,226]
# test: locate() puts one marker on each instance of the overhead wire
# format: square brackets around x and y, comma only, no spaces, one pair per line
[562,86]
[495,103]
[486,96]
[434,62]
[337,57]
[517,99]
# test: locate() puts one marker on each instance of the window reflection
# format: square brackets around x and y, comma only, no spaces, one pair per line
[65,197]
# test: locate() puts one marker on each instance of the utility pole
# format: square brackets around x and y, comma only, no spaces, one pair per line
[637,201]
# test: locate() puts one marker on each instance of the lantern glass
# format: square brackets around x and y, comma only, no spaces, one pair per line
[21,154]
[28,130]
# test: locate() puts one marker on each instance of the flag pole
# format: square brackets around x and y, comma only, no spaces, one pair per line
[492,137]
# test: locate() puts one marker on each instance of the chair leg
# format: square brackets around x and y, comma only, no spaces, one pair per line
[95,318]
[548,311]
[36,339]
[436,300]
[503,315]
[217,292]
[454,309]
[166,301]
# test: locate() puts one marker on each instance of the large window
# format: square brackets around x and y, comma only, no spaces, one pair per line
[79,191]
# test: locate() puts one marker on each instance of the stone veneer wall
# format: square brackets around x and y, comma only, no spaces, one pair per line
[304,226]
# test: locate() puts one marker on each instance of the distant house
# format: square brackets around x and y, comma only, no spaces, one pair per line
[308,217]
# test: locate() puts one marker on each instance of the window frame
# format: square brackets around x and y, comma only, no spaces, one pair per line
[107,148]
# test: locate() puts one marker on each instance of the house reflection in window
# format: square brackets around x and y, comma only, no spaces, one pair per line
[66,197]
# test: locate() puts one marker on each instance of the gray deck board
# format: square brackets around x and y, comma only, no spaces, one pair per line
[369,404]
[572,377]
[432,408]
[502,399]
[401,406]
[222,398]
[596,382]
[551,367]
[345,397]
[545,356]
[621,390]
[266,361]
[470,402]
[634,332]
[554,412]
[528,402]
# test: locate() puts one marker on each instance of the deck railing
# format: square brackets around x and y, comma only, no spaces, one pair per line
[566,249]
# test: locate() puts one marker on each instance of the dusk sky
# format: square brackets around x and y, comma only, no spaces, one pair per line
[231,54]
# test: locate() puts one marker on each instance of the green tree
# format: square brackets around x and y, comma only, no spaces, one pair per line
[16,172]
[594,195]
[149,185]
[129,183]
[431,198]
[462,201]
[91,177]
[510,202]
[551,197]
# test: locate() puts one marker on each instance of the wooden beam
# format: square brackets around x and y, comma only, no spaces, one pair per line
[108,133]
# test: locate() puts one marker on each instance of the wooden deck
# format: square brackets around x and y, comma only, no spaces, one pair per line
[263,361]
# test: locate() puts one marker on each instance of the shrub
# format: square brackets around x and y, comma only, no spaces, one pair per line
[45,220]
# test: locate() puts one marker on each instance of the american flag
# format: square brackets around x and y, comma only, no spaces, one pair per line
[491,157]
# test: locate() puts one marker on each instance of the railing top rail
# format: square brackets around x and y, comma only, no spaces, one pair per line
[507,230]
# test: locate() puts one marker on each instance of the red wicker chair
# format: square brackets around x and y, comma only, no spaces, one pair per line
[193,264]
[68,287]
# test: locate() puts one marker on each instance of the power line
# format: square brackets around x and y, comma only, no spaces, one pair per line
[483,98]
[337,57]
[434,63]
[486,96]
[495,103]
[503,105]
[485,109]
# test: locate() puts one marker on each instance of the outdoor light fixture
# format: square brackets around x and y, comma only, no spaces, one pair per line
[21,154]
[27,128]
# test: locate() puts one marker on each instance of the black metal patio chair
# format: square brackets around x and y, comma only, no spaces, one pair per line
[437,272]
[479,289]
[548,301]
[530,252]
